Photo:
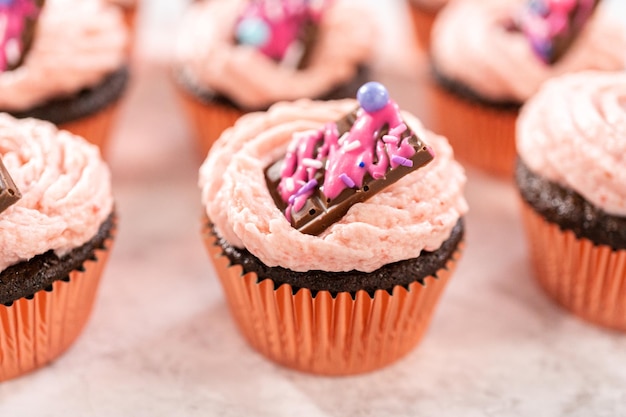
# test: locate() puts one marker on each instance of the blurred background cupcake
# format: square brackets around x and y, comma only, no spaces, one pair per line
[64,61]
[423,13]
[349,269]
[489,57]
[571,139]
[237,56]
[56,227]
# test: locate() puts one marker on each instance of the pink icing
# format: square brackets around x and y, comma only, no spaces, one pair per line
[545,20]
[417,212]
[573,132]
[284,21]
[13,16]
[472,45]
[347,159]
[65,186]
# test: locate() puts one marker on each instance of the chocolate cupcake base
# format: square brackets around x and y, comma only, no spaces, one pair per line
[47,302]
[578,251]
[333,332]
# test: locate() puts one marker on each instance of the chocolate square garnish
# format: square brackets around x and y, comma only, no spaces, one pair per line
[9,193]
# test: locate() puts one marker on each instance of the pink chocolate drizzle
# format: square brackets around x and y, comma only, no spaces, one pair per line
[14,15]
[346,159]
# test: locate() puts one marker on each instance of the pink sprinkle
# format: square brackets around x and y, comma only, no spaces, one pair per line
[390,139]
[396,159]
[352,146]
[312,163]
[347,180]
[398,130]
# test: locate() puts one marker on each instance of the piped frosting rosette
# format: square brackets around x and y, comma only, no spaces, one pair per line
[209,58]
[416,213]
[76,45]
[573,132]
[474,44]
[65,186]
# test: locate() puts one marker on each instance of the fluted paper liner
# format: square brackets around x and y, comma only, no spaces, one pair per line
[325,335]
[422,25]
[209,120]
[587,279]
[94,128]
[481,136]
[35,331]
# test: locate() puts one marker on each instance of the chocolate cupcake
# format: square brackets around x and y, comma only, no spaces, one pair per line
[234,57]
[66,65]
[56,229]
[333,229]
[489,57]
[571,140]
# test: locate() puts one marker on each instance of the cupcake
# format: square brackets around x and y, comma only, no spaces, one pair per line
[571,139]
[64,62]
[489,57]
[423,13]
[236,56]
[54,240]
[333,229]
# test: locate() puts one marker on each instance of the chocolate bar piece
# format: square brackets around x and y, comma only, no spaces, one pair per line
[9,194]
[319,212]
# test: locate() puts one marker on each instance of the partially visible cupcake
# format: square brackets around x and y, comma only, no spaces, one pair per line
[236,56]
[490,56]
[333,230]
[72,69]
[423,13]
[54,240]
[571,139]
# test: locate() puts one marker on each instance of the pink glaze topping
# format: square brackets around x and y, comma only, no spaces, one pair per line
[474,46]
[65,186]
[207,57]
[76,44]
[415,213]
[573,132]
[14,15]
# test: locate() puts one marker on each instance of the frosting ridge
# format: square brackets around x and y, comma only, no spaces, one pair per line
[65,186]
[76,44]
[417,212]
[573,132]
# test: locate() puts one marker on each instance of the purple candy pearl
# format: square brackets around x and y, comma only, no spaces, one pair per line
[372,96]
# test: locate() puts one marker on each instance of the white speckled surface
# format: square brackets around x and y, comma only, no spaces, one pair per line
[161,341]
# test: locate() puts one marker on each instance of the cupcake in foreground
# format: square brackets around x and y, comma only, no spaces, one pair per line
[236,56]
[423,13]
[63,61]
[56,226]
[490,56]
[571,140]
[333,227]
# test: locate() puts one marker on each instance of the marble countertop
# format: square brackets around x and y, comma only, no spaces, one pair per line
[161,341]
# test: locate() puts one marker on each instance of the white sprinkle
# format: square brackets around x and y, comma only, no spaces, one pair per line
[312,163]
[352,146]
[290,184]
[342,139]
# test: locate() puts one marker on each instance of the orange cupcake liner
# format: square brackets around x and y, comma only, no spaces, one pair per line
[422,25]
[209,120]
[587,279]
[35,331]
[95,128]
[323,334]
[481,136]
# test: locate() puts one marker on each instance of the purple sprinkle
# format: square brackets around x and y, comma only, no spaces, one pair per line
[307,187]
[291,199]
[398,130]
[397,159]
[347,180]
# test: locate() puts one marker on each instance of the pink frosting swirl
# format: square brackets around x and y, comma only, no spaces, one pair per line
[573,132]
[76,44]
[472,46]
[418,212]
[208,58]
[65,186]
